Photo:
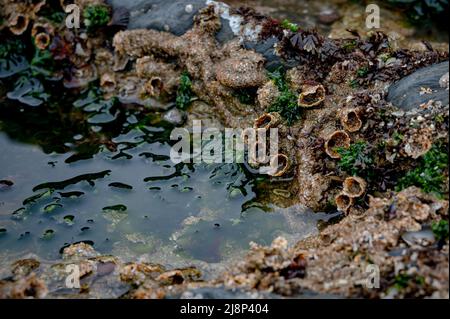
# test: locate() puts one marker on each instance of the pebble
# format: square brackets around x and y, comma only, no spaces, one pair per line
[175,117]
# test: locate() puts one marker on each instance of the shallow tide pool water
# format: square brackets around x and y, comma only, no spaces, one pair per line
[129,201]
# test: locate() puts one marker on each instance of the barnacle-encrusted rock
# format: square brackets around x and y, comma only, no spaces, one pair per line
[244,70]
[344,202]
[137,273]
[163,76]
[24,288]
[311,95]
[80,250]
[419,143]
[267,121]
[351,120]
[19,14]
[24,267]
[354,186]
[267,94]
[339,139]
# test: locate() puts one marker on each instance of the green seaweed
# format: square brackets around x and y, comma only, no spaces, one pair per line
[357,160]
[288,25]
[287,102]
[96,16]
[429,175]
[440,230]
[184,93]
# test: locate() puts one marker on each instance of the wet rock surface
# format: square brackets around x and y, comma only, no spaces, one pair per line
[420,87]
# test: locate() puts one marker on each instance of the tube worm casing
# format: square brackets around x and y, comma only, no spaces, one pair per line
[267,121]
[344,202]
[354,187]
[18,23]
[339,139]
[351,120]
[279,165]
[312,95]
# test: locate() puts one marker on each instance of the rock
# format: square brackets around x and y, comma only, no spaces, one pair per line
[328,16]
[171,16]
[175,117]
[420,87]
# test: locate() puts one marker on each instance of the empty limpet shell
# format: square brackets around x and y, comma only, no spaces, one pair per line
[339,139]
[267,120]
[18,23]
[344,202]
[312,95]
[279,165]
[351,121]
[354,187]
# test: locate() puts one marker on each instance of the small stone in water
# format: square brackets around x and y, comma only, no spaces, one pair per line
[175,117]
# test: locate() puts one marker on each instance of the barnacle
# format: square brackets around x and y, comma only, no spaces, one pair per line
[419,143]
[279,164]
[18,23]
[42,27]
[312,95]
[350,120]
[21,14]
[154,86]
[354,187]
[344,202]
[108,82]
[337,140]
[42,33]
[267,121]
[42,41]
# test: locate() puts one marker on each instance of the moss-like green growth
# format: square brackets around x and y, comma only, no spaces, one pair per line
[288,25]
[357,160]
[96,16]
[184,93]
[362,72]
[429,175]
[287,102]
[349,45]
[440,230]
